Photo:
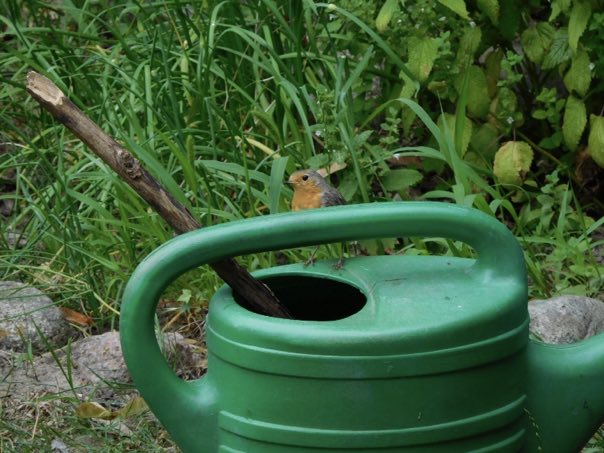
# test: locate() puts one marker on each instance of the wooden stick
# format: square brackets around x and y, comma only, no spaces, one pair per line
[50,97]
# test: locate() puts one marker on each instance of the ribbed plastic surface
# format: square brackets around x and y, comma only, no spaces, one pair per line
[415,353]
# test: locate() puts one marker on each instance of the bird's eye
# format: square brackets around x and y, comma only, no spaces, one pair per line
[305,178]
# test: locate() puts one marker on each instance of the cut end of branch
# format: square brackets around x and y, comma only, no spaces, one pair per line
[43,89]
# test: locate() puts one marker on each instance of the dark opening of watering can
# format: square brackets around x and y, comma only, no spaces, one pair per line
[315,299]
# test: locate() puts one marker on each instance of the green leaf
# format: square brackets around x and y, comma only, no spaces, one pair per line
[578,77]
[422,54]
[559,6]
[478,92]
[185,296]
[457,6]
[450,128]
[490,8]
[575,119]
[509,19]
[349,186]
[595,143]
[468,45]
[402,179]
[512,162]
[485,141]
[503,108]
[276,183]
[385,15]
[536,41]
[559,52]
[407,92]
[492,67]
[579,16]
[552,142]
[318,161]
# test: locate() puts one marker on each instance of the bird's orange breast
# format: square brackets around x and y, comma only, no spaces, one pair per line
[306,199]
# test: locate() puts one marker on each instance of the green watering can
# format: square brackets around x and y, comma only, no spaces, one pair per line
[390,353]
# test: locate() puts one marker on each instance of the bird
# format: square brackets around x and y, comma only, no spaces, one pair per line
[311,191]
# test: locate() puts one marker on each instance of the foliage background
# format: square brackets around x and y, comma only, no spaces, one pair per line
[222,100]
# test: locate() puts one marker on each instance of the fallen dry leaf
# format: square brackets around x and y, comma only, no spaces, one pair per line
[93,410]
[75,317]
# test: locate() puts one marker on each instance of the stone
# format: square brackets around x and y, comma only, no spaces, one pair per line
[22,309]
[566,319]
[92,367]
[15,240]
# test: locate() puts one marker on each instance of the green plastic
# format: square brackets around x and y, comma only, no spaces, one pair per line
[390,353]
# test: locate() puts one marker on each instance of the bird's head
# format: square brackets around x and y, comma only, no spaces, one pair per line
[306,180]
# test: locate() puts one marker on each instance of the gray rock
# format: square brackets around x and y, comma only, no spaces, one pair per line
[14,240]
[566,319]
[22,309]
[92,367]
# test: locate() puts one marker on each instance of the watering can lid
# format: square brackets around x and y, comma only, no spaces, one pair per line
[422,315]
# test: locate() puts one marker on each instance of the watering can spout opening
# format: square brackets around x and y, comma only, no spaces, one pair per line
[565,393]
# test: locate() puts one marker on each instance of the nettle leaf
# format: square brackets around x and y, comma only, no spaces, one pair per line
[402,179]
[559,6]
[467,129]
[349,186]
[578,76]
[317,161]
[478,92]
[579,16]
[551,142]
[468,44]
[385,15]
[457,6]
[575,119]
[595,143]
[422,54]
[559,51]
[512,162]
[490,8]
[536,41]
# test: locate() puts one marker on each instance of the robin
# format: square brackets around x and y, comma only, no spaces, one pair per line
[311,191]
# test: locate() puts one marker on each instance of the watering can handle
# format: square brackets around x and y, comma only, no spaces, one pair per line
[499,255]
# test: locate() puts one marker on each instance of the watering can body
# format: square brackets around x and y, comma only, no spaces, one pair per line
[392,353]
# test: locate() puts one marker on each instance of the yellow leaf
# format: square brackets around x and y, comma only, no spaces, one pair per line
[134,407]
[93,410]
[512,162]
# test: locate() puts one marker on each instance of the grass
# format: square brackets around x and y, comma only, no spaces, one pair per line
[49,421]
[221,101]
